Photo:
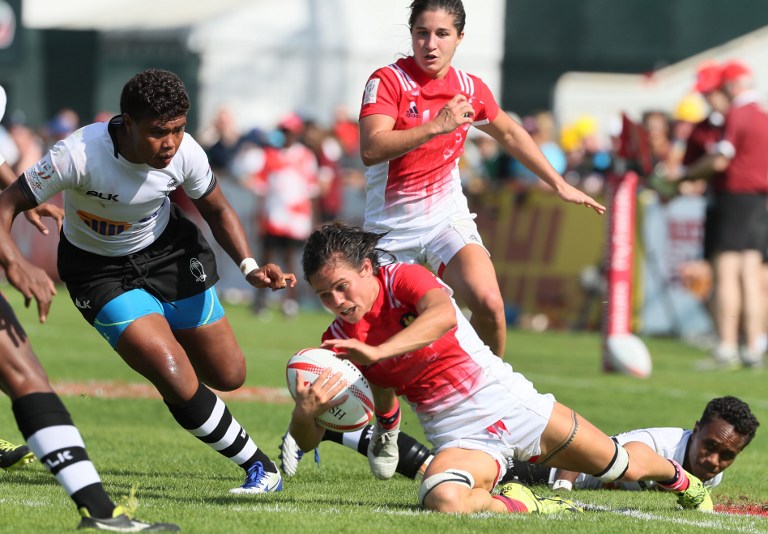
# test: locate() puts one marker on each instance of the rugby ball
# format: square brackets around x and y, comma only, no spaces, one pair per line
[355,412]
[627,354]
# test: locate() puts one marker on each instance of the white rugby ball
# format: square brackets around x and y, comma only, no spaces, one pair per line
[355,412]
[627,354]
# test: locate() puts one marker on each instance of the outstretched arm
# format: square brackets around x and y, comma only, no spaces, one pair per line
[31,281]
[519,143]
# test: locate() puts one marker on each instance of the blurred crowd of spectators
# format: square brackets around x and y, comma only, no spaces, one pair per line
[301,172]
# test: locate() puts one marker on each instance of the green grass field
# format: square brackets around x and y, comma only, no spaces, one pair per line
[136,443]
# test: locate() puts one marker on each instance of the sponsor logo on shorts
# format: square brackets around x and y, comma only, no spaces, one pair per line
[103,226]
[197,270]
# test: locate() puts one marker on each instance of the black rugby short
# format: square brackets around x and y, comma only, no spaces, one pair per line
[178,265]
[735,223]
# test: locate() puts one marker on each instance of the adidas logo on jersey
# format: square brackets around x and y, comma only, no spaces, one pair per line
[413,112]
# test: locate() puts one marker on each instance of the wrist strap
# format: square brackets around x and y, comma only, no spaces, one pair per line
[248,265]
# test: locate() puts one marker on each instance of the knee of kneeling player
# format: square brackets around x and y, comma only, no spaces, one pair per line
[448,498]
[447,491]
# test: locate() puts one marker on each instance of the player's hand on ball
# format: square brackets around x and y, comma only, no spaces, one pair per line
[354,350]
[314,399]
[271,276]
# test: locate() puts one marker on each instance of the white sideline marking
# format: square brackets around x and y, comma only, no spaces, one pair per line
[678,521]
[635,514]
[592,383]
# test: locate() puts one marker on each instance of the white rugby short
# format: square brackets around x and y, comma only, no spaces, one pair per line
[436,247]
[516,436]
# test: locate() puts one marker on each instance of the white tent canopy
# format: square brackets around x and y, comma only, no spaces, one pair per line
[107,15]
[266,58]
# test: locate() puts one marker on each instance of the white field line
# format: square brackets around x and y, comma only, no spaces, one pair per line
[637,387]
[280,395]
[705,522]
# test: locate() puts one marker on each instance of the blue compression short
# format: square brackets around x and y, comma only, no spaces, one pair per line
[120,312]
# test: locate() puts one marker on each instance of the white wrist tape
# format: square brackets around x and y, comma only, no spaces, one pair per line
[248,265]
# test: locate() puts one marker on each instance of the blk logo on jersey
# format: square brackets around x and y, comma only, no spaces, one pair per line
[413,112]
[103,196]
[197,270]
[103,226]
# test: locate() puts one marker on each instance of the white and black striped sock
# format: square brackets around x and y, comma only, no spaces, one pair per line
[48,429]
[206,417]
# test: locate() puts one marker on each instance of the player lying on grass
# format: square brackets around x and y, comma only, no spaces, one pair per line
[401,326]
[725,428]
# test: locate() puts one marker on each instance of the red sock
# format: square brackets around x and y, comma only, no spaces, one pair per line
[514,507]
[389,420]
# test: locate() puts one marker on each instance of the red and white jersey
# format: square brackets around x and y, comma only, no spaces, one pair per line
[668,442]
[422,187]
[455,385]
[114,207]
[288,182]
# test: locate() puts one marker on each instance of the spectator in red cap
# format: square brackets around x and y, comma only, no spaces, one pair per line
[708,76]
[708,132]
[734,71]
[736,231]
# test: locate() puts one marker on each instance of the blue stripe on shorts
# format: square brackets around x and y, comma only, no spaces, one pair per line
[118,313]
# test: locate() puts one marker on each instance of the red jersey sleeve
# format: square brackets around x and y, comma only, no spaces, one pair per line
[381,95]
[408,283]
[485,105]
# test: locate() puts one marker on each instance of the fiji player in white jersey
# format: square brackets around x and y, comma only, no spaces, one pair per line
[143,274]
[41,416]
[722,432]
